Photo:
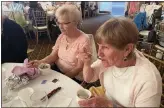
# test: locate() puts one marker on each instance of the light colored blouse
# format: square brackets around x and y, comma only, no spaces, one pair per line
[134,86]
[68,56]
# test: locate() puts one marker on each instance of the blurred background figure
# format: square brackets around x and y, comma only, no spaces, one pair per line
[26,7]
[14,43]
[16,6]
[5,6]
[34,6]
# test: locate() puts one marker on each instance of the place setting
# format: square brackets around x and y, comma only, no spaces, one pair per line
[39,96]
[45,94]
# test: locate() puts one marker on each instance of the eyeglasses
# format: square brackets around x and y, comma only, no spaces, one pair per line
[66,23]
[58,23]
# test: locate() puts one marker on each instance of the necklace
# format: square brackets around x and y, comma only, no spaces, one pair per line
[121,74]
[67,44]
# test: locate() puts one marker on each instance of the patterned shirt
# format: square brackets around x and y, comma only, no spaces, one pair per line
[16,7]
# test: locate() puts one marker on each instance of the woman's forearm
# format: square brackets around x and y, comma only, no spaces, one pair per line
[49,59]
[88,73]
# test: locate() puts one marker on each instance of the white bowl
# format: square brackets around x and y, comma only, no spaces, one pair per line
[83,94]
[43,70]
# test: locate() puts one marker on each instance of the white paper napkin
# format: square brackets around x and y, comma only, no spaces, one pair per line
[59,101]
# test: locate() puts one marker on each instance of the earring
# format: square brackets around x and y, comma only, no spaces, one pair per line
[125,58]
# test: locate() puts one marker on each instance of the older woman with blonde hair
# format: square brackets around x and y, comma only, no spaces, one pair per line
[68,45]
[128,79]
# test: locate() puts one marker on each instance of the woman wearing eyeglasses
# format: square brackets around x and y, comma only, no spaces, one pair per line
[128,79]
[69,44]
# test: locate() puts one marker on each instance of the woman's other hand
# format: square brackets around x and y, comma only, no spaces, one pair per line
[96,102]
[34,63]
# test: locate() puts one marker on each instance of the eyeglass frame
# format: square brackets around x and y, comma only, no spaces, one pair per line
[57,23]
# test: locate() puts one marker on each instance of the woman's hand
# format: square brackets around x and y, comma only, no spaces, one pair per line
[84,56]
[96,102]
[34,63]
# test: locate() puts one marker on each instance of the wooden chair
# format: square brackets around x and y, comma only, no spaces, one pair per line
[40,23]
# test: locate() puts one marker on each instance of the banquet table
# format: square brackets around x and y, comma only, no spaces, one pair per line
[69,87]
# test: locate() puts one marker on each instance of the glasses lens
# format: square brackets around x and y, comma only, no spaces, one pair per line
[64,23]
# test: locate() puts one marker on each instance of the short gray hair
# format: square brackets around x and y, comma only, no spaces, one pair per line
[118,32]
[69,12]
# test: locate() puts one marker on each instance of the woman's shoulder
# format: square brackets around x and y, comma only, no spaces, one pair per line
[13,26]
[83,38]
[146,69]
[61,36]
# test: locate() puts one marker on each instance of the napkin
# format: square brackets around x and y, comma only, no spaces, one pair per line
[30,72]
[59,101]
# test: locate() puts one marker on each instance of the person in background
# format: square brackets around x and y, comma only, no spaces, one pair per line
[34,6]
[128,79]
[14,43]
[5,6]
[16,6]
[69,43]
[83,4]
[93,7]
[26,7]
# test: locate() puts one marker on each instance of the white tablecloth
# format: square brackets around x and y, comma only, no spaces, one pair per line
[69,87]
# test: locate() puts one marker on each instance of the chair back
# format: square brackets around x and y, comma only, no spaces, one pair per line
[94,51]
[40,18]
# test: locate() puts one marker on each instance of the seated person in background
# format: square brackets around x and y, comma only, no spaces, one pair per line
[5,7]
[34,6]
[69,44]
[128,79]
[14,43]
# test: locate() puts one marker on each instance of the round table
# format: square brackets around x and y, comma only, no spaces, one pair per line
[69,87]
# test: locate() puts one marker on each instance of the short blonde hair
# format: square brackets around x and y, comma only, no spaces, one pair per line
[117,32]
[69,12]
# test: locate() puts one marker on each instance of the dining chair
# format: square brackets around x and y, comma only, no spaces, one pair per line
[40,23]
[23,21]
